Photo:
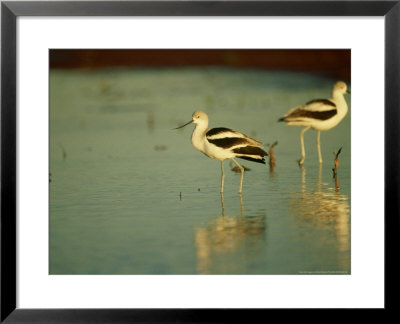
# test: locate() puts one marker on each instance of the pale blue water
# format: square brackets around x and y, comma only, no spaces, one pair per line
[129,195]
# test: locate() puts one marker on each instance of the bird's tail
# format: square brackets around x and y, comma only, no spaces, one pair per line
[251,153]
[248,158]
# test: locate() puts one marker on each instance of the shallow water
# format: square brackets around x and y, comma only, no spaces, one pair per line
[129,195]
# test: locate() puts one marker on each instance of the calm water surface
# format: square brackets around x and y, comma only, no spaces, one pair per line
[129,195]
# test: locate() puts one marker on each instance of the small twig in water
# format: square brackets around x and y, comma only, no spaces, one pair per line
[336,162]
[271,154]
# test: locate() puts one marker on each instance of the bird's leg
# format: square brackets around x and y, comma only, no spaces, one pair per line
[223,204]
[241,174]
[319,146]
[222,176]
[241,205]
[303,151]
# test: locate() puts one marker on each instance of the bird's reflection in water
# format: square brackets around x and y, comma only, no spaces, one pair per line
[219,242]
[323,207]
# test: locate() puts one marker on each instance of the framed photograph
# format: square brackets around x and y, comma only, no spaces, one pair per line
[111,214]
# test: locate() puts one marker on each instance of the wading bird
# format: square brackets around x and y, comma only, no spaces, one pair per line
[224,143]
[320,114]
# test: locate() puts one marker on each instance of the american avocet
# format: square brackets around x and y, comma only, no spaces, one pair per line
[320,114]
[224,143]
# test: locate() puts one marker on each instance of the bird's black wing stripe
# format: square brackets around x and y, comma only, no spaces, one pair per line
[252,159]
[320,115]
[227,142]
[250,150]
[322,101]
[218,130]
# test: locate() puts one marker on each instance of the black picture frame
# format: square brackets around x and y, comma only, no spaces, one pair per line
[10,10]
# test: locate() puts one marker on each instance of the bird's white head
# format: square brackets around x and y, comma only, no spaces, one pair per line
[199,118]
[340,88]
